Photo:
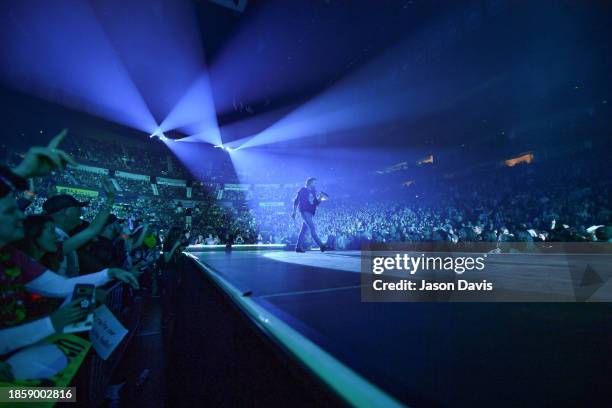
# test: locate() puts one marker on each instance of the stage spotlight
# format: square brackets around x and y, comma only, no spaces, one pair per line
[158,133]
[226,148]
[160,136]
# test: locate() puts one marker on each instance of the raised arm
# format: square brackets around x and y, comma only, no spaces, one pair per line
[53,285]
[40,161]
[141,237]
[97,225]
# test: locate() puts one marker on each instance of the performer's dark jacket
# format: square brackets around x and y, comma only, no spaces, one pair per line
[306,200]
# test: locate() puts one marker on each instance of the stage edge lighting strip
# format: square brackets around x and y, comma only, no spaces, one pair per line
[352,387]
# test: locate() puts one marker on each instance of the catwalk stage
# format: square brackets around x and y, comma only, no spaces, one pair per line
[418,353]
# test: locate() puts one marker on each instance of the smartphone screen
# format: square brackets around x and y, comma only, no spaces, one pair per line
[85,293]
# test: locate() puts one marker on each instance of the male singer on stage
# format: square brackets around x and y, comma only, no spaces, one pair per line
[307,201]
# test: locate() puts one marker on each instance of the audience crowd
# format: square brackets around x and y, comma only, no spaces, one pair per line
[121,156]
[51,241]
[60,226]
[528,203]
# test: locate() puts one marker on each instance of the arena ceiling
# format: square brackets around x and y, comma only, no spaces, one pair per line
[465,76]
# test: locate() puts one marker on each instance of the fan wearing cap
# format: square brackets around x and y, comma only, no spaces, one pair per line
[19,273]
[66,212]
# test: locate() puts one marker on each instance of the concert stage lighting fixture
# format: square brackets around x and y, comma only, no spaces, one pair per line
[158,134]
[226,148]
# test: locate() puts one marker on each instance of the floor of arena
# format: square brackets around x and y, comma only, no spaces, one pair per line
[431,354]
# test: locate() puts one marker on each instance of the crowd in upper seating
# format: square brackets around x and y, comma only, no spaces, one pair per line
[108,154]
[134,186]
[120,156]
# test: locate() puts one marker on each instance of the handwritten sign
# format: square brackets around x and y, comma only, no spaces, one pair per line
[107,332]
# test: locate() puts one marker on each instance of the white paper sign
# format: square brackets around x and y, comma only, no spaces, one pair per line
[107,332]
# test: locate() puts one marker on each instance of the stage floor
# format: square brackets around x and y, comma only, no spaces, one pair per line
[433,354]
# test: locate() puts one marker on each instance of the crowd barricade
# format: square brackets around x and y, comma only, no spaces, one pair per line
[95,374]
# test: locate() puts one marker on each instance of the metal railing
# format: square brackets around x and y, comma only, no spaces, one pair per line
[96,373]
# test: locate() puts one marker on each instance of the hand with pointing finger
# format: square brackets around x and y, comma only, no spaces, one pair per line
[40,161]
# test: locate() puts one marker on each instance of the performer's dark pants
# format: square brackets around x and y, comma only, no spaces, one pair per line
[306,225]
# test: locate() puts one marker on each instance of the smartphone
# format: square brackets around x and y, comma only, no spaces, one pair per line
[86,294]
